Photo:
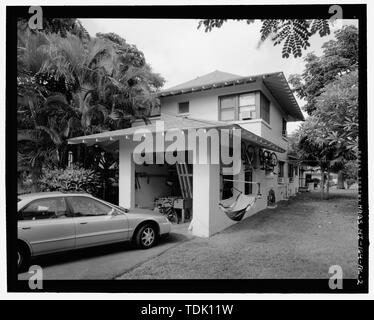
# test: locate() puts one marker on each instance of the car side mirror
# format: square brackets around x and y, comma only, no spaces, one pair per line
[113,212]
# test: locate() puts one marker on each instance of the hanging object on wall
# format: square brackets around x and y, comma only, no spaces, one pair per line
[268,160]
[261,157]
[271,199]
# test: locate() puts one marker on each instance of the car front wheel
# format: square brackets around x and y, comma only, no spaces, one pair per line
[23,258]
[146,236]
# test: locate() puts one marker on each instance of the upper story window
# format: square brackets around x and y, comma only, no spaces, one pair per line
[228,108]
[184,107]
[265,108]
[155,111]
[245,106]
[284,127]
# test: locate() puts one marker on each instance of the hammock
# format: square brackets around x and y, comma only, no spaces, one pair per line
[238,208]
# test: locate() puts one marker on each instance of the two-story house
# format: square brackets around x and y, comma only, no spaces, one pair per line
[260,106]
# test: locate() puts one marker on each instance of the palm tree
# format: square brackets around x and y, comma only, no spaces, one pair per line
[106,83]
[72,85]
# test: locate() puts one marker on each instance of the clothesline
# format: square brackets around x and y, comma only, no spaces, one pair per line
[241,181]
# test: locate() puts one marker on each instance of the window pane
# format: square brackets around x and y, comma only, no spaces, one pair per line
[228,102]
[290,170]
[247,99]
[248,112]
[184,107]
[83,206]
[227,114]
[281,169]
[248,186]
[227,186]
[265,108]
[51,208]
[284,127]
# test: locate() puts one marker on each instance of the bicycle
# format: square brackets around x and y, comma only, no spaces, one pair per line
[166,208]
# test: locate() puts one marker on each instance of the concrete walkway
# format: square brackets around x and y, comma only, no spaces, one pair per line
[105,262]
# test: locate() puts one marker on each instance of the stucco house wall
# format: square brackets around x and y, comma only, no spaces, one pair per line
[205,105]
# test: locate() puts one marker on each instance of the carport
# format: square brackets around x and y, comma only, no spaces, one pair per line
[206,178]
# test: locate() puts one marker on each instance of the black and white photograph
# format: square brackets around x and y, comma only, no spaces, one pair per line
[194,148]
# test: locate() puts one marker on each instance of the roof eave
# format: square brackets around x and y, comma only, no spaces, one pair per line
[212,86]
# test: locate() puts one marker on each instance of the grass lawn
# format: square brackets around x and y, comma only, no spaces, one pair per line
[301,238]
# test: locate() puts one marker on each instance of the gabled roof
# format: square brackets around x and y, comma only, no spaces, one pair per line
[275,82]
[205,80]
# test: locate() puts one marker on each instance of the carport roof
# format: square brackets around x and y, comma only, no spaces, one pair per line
[173,123]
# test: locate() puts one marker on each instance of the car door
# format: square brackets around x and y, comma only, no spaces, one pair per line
[96,222]
[47,225]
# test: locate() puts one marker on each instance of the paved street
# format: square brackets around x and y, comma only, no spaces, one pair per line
[106,262]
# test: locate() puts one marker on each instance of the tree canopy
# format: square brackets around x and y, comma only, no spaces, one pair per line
[70,84]
[329,84]
[294,34]
[339,56]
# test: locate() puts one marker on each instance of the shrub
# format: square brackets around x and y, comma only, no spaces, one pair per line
[350,182]
[70,179]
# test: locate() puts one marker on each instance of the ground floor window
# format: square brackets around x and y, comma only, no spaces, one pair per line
[290,171]
[281,169]
[248,186]
[227,186]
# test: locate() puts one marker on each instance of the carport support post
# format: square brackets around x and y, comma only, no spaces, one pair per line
[206,184]
[126,179]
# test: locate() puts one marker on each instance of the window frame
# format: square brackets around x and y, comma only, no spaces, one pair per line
[281,172]
[235,106]
[248,186]
[20,216]
[284,127]
[227,187]
[74,215]
[291,172]
[184,102]
[262,108]
[257,94]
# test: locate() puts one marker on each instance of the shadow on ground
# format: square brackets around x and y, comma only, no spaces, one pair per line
[99,251]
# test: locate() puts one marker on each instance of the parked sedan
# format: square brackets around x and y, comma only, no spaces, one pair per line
[54,221]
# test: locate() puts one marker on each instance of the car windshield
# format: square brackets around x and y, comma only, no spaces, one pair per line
[118,207]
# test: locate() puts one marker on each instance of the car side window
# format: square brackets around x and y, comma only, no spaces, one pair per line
[84,206]
[48,208]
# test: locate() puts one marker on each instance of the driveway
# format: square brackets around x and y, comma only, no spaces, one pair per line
[105,262]
[301,238]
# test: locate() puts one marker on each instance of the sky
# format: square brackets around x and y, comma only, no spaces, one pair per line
[179,51]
